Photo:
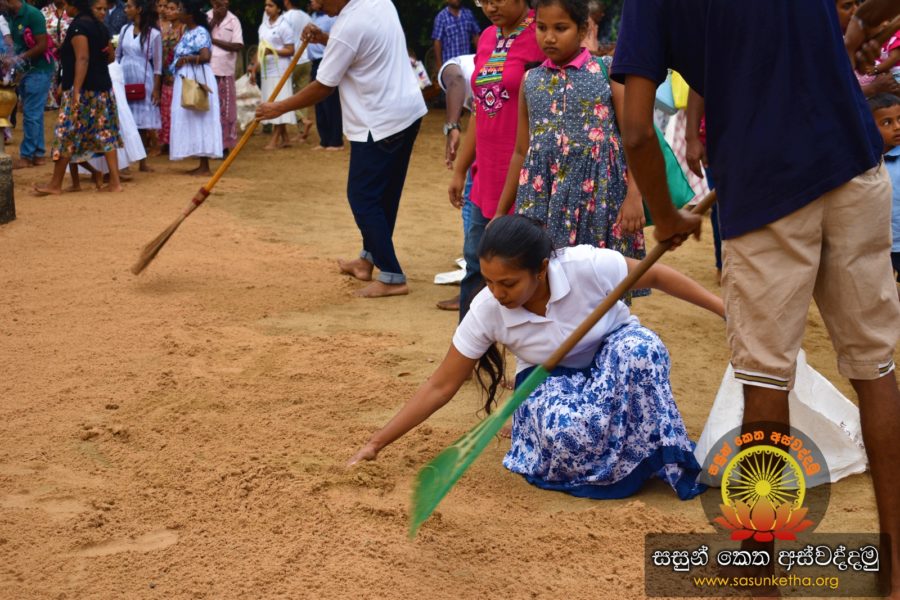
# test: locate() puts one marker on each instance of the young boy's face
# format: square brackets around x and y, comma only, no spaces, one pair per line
[845,10]
[888,121]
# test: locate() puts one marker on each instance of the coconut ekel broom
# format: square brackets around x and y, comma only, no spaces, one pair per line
[152,249]
[437,477]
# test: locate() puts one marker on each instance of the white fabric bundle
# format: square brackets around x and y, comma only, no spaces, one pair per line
[248,98]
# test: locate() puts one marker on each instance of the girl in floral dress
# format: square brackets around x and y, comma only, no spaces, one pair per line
[604,421]
[171,30]
[568,169]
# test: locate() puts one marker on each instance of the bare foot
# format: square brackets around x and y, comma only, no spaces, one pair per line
[73,188]
[304,135]
[319,148]
[270,146]
[144,168]
[97,178]
[110,188]
[333,148]
[124,175]
[449,303]
[38,161]
[359,268]
[506,385]
[378,289]
[505,432]
[45,190]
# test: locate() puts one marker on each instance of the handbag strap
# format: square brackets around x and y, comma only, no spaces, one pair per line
[140,45]
[203,71]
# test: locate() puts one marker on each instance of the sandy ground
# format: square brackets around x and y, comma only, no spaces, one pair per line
[183,434]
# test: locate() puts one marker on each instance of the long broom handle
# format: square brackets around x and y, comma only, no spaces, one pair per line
[626,284]
[207,188]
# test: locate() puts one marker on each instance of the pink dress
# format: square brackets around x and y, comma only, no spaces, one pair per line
[495,85]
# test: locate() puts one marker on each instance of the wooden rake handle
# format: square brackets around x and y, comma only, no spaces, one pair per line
[205,190]
[626,284]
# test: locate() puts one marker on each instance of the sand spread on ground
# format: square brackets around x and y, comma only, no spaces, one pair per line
[183,434]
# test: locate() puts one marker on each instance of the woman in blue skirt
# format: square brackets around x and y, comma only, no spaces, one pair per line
[605,420]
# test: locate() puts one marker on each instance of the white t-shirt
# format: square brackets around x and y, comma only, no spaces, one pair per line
[4,27]
[278,34]
[366,56]
[466,64]
[580,278]
[298,20]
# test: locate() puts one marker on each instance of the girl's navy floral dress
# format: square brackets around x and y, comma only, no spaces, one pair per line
[573,179]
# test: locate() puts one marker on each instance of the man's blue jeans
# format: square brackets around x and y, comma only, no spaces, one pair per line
[377,173]
[33,88]
[472,282]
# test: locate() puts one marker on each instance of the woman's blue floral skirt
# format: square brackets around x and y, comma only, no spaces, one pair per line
[602,431]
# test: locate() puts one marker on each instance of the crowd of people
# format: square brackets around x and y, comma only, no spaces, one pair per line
[151,48]
[558,172]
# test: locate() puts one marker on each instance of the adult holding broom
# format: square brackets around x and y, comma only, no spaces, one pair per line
[196,130]
[805,217]
[382,107]
[604,421]
[88,122]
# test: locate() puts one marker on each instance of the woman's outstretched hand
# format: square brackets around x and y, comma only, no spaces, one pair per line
[367,452]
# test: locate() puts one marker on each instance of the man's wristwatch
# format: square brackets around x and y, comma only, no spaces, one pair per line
[448,127]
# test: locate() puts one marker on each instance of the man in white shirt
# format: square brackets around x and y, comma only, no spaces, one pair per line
[382,108]
[298,20]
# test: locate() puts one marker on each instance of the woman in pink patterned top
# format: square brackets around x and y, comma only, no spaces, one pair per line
[504,50]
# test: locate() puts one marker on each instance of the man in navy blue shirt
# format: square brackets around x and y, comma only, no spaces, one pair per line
[804,201]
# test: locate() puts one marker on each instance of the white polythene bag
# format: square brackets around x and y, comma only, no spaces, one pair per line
[817,409]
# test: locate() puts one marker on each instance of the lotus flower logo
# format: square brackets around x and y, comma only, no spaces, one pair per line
[762,496]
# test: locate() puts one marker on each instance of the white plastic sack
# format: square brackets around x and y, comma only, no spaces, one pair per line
[817,409]
[452,277]
[248,98]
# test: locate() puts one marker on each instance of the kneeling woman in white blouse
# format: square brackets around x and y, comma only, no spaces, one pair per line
[605,420]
